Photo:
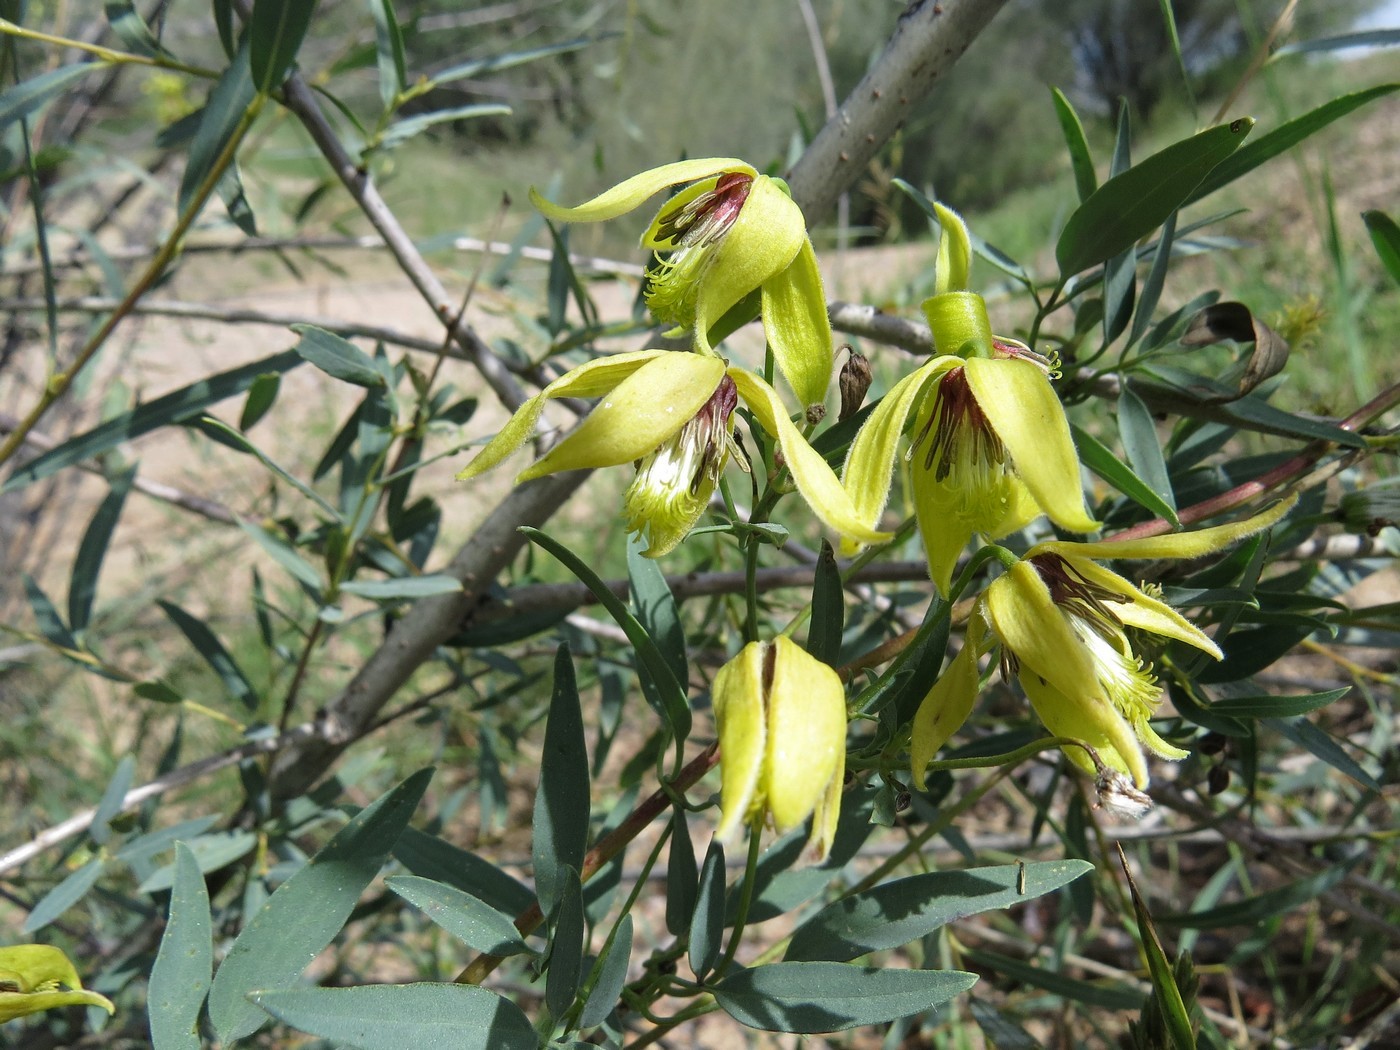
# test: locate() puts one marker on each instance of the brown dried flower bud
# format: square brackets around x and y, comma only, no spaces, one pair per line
[854,382]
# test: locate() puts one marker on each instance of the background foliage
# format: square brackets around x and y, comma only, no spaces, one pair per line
[234,514]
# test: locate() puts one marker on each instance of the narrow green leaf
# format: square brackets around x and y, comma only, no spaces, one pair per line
[682,877]
[63,896]
[180,977]
[435,859]
[308,910]
[225,26]
[46,616]
[144,847]
[219,121]
[337,357]
[707,924]
[1309,737]
[897,912]
[1104,996]
[275,33]
[400,131]
[478,66]
[1002,1033]
[1138,432]
[1369,38]
[1133,204]
[283,554]
[211,852]
[218,658]
[261,397]
[611,976]
[28,96]
[1267,706]
[131,29]
[562,801]
[1261,907]
[671,704]
[111,802]
[828,608]
[1081,161]
[227,435]
[1385,235]
[470,919]
[174,407]
[388,49]
[403,588]
[404,1016]
[1156,280]
[566,944]
[655,608]
[830,997]
[1283,138]
[1174,38]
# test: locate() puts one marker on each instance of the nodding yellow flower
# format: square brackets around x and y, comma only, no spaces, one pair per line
[991,448]
[781,715]
[1062,621]
[36,977]
[729,234]
[668,413]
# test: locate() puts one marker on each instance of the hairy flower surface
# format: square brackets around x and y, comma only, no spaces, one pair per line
[730,233]
[36,977]
[781,715]
[668,413]
[1063,622]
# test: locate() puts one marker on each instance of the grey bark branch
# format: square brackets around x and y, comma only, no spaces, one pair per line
[928,39]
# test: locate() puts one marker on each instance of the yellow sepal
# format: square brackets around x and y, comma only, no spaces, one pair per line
[633,192]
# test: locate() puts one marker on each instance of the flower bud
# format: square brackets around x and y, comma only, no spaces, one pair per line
[854,383]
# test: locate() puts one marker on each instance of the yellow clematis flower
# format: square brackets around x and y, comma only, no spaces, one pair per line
[729,234]
[1061,619]
[669,413]
[36,977]
[992,448]
[781,715]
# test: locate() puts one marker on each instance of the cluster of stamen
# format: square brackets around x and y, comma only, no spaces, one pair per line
[694,230]
[1016,350]
[963,452]
[1126,680]
[674,483]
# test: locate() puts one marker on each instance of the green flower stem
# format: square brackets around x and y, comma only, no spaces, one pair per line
[105,54]
[741,918]
[59,383]
[604,850]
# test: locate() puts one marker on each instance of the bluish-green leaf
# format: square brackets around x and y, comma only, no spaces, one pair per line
[275,33]
[707,924]
[1135,203]
[1283,138]
[562,801]
[284,555]
[1385,235]
[828,608]
[112,798]
[261,397]
[219,121]
[672,704]
[63,896]
[82,587]
[1156,280]
[211,852]
[404,1016]
[1312,739]
[388,49]
[131,29]
[895,913]
[46,616]
[180,977]
[566,944]
[470,919]
[655,608]
[308,910]
[1104,996]
[1081,161]
[337,357]
[495,64]
[27,96]
[682,878]
[207,644]
[830,997]
[1138,432]
[612,975]
[433,858]
[1002,1033]
[1261,907]
[1368,38]
[1266,706]
[174,407]
[403,588]
[400,131]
